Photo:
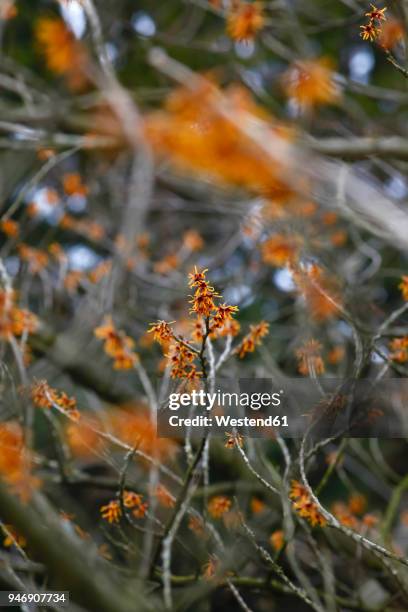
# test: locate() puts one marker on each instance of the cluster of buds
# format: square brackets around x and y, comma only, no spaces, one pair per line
[44,396]
[117,345]
[305,506]
[371,29]
[252,339]
[112,511]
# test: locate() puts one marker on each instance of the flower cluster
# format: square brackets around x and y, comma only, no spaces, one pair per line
[204,296]
[277,540]
[218,505]
[112,511]
[162,332]
[252,339]
[212,319]
[16,460]
[64,55]
[10,228]
[311,83]
[197,137]
[13,538]
[245,20]
[351,514]
[73,185]
[14,321]
[399,349]
[181,359]
[133,425]
[305,506]
[404,288]
[45,396]
[371,29]
[279,250]
[117,345]
[36,259]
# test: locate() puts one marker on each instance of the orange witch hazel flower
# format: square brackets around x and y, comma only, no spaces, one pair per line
[15,321]
[376,14]
[252,339]
[111,512]
[9,227]
[404,288]
[133,425]
[192,240]
[369,31]
[134,501]
[277,540]
[73,185]
[16,460]
[399,349]
[219,505]
[305,506]
[197,137]
[64,55]
[44,396]
[279,250]
[13,538]
[161,331]
[245,20]
[181,360]
[257,505]
[310,83]
[117,345]
[203,298]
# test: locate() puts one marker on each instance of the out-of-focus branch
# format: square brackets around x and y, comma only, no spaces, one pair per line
[72,564]
[357,148]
